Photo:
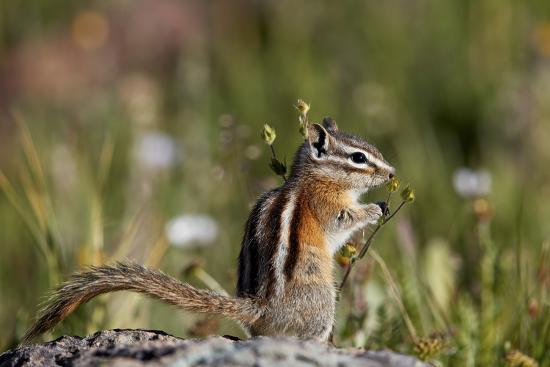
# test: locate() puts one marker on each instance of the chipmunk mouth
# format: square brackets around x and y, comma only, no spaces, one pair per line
[371,184]
[379,180]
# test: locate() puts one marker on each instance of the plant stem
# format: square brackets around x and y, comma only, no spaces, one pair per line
[362,254]
[395,212]
[394,290]
[367,245]
[275,157]
[273,151]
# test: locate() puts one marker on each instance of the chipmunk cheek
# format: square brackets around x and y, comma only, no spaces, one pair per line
[370,171]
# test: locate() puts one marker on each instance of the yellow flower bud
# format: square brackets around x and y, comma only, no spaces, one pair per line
[393,185]
[302,107]
[426,348]
[515,358]
[348,250]
[268,134]
[482,209]
[408,194]
[342,260]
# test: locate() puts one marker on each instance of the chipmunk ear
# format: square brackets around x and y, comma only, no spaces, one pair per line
[320,141]
[330,125]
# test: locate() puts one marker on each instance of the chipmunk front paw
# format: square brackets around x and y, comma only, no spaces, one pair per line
[384,206]
[373,212]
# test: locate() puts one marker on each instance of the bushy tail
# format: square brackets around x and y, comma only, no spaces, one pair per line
[83,286]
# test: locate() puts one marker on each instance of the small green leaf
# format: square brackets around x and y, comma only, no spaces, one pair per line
[278,167]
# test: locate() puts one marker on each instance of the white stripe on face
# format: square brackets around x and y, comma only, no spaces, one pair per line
[371,158]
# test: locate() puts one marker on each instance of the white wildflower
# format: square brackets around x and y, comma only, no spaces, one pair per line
[470,183]
[191,229]
[156,150]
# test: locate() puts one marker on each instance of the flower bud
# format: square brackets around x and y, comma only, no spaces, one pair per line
[342,260]
[426,348]
[516,358]
[482,209]
[348,250]
[408,194]
[302,107]
[268,134]
[393,185]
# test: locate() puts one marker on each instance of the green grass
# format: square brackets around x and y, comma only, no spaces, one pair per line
[435,85]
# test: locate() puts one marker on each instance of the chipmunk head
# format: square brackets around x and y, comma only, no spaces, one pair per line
[355,164]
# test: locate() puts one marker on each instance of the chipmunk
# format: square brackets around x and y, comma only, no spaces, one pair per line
[285,269]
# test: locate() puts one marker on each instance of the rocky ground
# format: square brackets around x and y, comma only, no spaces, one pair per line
[156,348]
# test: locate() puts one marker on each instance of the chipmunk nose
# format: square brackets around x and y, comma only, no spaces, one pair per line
[391,175]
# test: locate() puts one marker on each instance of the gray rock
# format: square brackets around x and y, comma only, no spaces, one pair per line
[156,348]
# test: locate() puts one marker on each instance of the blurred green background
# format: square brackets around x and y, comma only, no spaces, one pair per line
[130,129]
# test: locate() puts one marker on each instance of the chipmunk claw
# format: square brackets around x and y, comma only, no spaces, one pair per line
[384,207]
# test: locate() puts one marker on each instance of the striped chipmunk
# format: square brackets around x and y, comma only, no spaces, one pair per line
[285,281]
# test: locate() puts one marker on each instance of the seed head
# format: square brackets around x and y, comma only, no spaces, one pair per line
[393,185]
[407,194]
[342,260]
[482,209]
[302,106]
[349,250]
[515,358]
[426,348]
[268,134]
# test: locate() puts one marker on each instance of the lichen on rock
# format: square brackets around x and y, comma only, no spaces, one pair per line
[156,348]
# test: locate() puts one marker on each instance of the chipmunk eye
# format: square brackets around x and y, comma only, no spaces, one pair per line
[358,157]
